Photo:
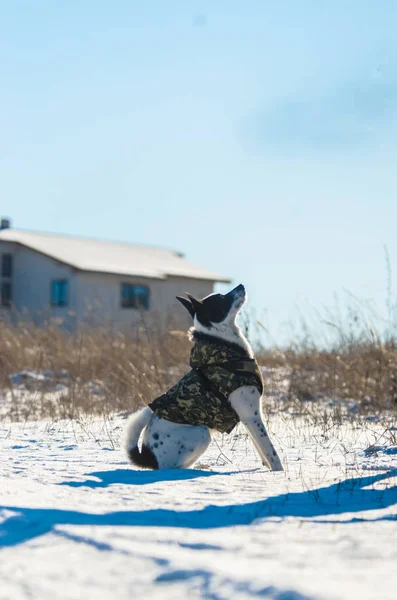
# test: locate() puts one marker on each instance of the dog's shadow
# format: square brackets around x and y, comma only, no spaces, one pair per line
[350,496]
[130,477]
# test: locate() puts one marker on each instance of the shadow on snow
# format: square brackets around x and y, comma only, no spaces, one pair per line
[349,496]
[131,477]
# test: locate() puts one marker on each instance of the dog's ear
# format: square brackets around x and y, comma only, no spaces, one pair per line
[197,304]
[187,304]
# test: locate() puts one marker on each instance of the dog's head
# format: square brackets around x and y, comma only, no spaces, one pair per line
[215,308]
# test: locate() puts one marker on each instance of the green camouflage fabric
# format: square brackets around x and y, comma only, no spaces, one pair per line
[200,397]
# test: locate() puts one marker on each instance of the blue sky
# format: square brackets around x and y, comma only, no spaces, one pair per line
[258,137]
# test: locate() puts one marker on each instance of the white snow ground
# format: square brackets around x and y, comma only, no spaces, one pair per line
[77,522]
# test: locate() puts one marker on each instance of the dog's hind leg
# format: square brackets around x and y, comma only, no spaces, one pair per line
[174,445]
[246,403]
[197,443]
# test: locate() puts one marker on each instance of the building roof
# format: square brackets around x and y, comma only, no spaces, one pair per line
[118,258]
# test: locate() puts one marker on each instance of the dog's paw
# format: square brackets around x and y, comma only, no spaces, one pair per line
[278,468]
[274,466]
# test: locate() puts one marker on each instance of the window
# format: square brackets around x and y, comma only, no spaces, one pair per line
[59,292]
[134,296]
[6,294]
[6,265]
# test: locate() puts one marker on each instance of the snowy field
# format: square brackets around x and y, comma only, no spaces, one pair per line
[76,521]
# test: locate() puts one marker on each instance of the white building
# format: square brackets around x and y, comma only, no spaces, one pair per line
[77,280]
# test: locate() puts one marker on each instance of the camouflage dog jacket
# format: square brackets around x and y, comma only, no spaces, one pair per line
[201,396]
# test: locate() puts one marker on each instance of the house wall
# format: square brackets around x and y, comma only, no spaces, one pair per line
[31,279]
[93,297]
[99,297]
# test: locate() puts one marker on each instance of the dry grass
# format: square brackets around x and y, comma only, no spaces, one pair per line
[94,370]
[98,371]
[365,373]
[343,357]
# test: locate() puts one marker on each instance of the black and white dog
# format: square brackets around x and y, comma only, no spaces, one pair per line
[167,444]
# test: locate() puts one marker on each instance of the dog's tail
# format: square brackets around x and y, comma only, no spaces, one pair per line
[135,425]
